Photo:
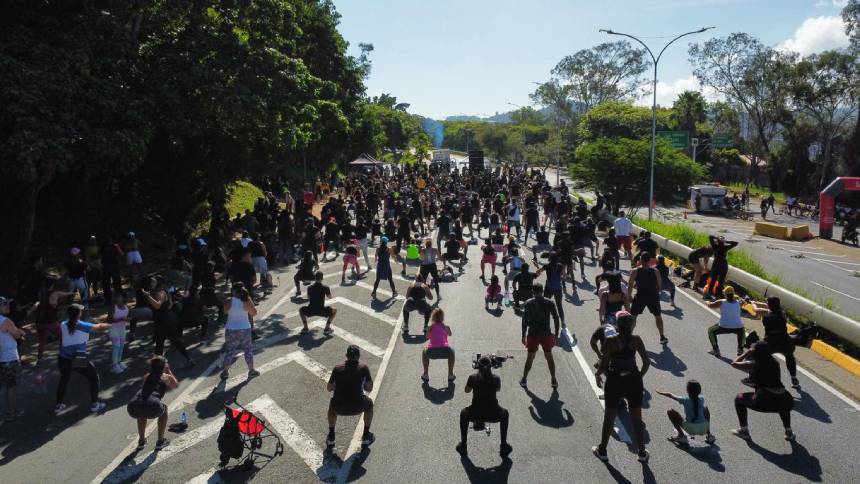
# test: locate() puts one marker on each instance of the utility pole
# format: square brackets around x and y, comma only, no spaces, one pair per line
[655,60]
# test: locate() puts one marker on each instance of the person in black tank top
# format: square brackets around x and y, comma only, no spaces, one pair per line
[645,280]
[623,381]
[416,300]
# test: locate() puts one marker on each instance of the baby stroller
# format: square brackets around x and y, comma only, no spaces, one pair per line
[244,430]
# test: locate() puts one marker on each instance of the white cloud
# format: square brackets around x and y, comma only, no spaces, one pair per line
[817,34]
[840,3]
[667,92]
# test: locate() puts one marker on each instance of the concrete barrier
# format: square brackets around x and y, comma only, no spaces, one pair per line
[844,327]
[768,229]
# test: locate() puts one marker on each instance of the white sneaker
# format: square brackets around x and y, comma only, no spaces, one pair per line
[116,369]
[59,408]
[97,407]
[123,366]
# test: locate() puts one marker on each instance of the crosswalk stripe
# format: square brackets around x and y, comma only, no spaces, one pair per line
[366,310]
[351,338]
[312,366]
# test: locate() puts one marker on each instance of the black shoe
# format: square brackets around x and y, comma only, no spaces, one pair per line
[505,450]
[461,449]
[367,438]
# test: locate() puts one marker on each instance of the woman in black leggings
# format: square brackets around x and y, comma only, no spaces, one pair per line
[73,356]
[770,396]
[166,324]
[720,265]
[776,334]
[623,381]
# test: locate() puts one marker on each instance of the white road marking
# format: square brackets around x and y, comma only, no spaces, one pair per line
[834,290]
[295,437]
[313,366]
[811,253]
[835,266]
[838,262]
[179,400]
[209,477]
[355,445]
[366,310]
[384,292]
[806,373]
[351,338]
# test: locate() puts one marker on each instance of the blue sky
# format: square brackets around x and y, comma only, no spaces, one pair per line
[448,57]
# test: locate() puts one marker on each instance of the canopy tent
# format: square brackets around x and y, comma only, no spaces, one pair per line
[365,161]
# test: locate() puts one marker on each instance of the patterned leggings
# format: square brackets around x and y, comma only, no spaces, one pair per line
[117,341]
[236,340]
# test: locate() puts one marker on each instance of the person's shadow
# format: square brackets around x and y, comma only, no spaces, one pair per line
[487,475]
[438,396]
[709,454]
[414,339]
[667,361]
[799,461]
[809,407]
[549,413]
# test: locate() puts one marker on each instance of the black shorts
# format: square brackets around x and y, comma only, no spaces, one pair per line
[352,408]
[765,401]
[628,386]
[9,373]
[308,311]
[475,414]
[640,302]
[450,257]
[440,353]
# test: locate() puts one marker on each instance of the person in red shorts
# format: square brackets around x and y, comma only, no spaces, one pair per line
[537,312]
[623,227]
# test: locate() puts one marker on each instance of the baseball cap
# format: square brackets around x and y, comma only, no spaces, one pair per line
[4,301]
[352,352]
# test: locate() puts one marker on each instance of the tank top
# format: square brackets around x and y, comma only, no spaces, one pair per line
[237,317]
[612,307]
[730,314]
[646,281]
[438,336]
[9,347]
[428,257]
[624,360]
[417,292]
[120,313]
[553,276]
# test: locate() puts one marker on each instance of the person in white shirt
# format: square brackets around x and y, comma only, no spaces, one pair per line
[10,363]
[730,321]
[623,226]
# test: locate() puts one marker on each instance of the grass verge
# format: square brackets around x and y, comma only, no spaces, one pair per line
[242,196]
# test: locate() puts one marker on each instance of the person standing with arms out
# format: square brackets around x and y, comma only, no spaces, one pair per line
[645,281]
[10,362]
[348,383]
[730,321]
[237,331]
[73,356]
[485,407]
[623,381]
[536,332]
[147,404]
[623,227]
[720,267]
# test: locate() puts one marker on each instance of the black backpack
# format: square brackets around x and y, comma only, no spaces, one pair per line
[229,441]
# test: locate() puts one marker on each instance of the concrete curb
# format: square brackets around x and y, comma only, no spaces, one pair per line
[832,354]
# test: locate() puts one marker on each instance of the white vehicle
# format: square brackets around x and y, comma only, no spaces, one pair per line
[707,198]
[441,156]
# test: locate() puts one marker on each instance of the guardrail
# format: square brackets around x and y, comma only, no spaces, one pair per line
[832,321]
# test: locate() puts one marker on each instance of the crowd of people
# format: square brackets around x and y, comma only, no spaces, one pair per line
[418,220]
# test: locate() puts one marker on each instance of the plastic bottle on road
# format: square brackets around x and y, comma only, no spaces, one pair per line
[183,419]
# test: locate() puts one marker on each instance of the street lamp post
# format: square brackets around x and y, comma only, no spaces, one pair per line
[656,60]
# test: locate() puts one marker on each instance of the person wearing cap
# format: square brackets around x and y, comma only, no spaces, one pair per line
[730,320]
[383,266]
[484,385]
[132,253]
[10,362]
[73,357]
[348,383]
[77,273]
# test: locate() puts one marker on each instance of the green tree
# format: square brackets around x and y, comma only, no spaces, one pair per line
[620,120]
[619,168]
[494,139]
[688,111]
[527,115]
[611,71]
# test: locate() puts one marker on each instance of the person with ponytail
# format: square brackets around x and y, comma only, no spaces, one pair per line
[776,334]
[623,382]
[147,404]
[696,419]
[485,407]
[770,396]
[237,331]
[74,335]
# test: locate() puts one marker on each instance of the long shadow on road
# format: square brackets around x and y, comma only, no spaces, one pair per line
[549,413]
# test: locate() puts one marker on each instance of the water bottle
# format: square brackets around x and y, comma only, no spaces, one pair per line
[183,419]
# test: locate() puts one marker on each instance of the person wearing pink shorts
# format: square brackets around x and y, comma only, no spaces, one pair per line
[488,257]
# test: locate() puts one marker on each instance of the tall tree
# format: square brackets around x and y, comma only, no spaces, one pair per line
[688,110]
[823,88]
[611,71]
[750,75]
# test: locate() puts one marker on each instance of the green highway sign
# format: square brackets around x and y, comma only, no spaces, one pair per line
[678,139]
[722,140]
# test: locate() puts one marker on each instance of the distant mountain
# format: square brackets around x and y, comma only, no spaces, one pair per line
[500,118]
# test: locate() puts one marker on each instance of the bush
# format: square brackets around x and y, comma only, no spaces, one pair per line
[242,196]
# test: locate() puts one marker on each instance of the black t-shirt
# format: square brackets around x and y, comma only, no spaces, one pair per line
[256,248]
[243,272]
[532,216]
[349,379]
[317,293]
[525,280]
[774,326]
[536,316]
[542,237]
[417,292]
[484,391]
[444,223]
[697,254]
[452,247]
[110,255]
[76,268]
